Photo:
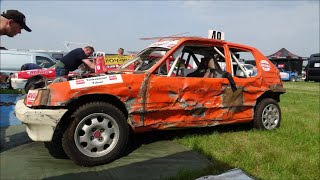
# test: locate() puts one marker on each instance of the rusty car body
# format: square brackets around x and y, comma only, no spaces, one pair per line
[163,87]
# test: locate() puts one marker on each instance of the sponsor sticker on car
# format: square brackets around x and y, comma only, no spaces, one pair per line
[30,73]
[265,65]
[95,81]
[80,81]
[32,94]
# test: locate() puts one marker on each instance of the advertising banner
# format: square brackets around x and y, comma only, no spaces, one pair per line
[114,61]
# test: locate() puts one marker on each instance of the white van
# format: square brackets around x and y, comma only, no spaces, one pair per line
[12,60]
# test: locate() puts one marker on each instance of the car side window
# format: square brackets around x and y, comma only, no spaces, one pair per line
[181,68]
[243,63]
[44,62]
[200,61]
[165,67]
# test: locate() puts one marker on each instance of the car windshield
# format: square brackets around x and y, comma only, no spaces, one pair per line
[145,59]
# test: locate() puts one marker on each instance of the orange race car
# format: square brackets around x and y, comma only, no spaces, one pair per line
[173,83]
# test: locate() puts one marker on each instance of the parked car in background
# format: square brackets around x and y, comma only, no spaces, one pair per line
[56,54]
[250,69]
[37,78]
[3,81]
[90,118]
[30,79]
[313,68]
[12,60]
[288,75]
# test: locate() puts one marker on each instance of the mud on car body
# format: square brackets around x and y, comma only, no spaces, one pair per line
[173,83]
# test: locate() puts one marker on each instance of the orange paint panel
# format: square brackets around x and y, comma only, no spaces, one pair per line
[175,116]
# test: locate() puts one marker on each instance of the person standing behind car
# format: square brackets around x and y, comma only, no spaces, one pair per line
[120,51]
[11,23]
[73,60]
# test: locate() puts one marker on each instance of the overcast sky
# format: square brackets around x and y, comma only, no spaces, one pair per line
[108,25]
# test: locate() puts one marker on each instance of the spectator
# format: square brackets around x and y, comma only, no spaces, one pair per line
[73,60]
[11,23]
[120,51]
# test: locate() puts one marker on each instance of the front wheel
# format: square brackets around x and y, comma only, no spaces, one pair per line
[267,115]
[97,135]
[55,145]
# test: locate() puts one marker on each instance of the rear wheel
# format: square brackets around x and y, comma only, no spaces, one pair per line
[267,114]
[97,135]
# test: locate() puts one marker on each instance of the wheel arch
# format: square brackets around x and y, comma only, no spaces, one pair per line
[270,94]
[33,78]
[76,103]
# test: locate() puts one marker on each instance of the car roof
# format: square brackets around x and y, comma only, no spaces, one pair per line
[25,52]
[195,39]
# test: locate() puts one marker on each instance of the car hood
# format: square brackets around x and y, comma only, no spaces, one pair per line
[120,85]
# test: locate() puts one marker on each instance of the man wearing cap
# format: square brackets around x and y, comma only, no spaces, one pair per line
[11,23]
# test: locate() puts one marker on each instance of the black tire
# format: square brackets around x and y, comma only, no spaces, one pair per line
[267,115]
[29,86]
[97,135]
[54,147]
[293,79]
[9,82]
[35,83]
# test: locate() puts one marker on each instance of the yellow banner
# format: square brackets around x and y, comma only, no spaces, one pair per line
[116,59]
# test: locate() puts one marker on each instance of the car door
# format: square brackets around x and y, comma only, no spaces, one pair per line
[249,86]
[177,100]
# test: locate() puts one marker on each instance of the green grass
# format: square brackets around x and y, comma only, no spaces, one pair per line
[290,152]
[9,91]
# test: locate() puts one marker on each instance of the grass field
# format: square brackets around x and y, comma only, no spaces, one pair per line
[290,152]
[9,91]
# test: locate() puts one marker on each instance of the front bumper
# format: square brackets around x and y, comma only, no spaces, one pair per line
[40,123]
[17,83]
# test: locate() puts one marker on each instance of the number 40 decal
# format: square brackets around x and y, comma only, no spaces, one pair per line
[214,34]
